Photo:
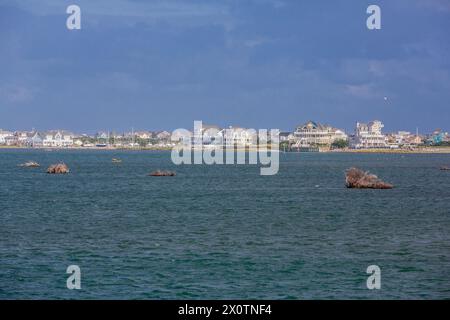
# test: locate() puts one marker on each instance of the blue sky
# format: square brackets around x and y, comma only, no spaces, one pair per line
[252,63]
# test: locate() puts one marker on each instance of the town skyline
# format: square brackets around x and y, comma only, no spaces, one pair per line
[310,136]
[189,125]
[410,128]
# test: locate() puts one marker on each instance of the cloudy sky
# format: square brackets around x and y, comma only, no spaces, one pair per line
[255,63]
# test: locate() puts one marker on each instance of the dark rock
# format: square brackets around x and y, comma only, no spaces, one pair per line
[159,173]
[60,168]
[356,178]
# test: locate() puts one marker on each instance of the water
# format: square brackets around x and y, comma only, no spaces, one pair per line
[222,232]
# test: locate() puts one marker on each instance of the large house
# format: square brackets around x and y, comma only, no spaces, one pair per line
[369,135]
[163,135]
[57,139]
[145,135]
[315,134]
[207,134]
[214,135]
[438,136]
[3,135]
[21,137]
[240,136]
[102,136]
[403,139]
[34,139]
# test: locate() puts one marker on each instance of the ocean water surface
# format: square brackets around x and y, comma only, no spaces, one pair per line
[222,232]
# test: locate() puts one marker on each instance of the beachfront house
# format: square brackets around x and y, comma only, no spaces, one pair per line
[207,134]
[11,141]
[34,140]
[163,135]
[21,137]
[240,136]
[439,137]
[3,135]
[144,135]
[58,139]
[184,138]
[404,139]
[102,135]
[316,134]
[369,135]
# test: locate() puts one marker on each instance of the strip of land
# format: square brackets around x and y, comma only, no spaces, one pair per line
[419,150]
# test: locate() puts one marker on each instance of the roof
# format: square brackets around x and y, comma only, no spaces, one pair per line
[5,132]
[54,132]
[210,126]
[314,125]
[32,134]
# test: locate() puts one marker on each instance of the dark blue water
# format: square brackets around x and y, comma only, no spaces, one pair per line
[223,231]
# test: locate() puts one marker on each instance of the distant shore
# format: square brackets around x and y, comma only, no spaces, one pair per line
[424,150]
[87,148]
[420,150]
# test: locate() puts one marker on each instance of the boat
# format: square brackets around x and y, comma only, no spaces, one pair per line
[115,160]
[445,168]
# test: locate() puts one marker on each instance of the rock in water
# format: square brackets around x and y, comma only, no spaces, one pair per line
[159,173]
[60,168]
[30,164]
[356,178]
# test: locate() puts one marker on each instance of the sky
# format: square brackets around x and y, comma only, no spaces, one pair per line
[162,64]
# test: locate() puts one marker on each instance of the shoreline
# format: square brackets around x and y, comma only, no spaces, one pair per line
[423,150]
[426,150]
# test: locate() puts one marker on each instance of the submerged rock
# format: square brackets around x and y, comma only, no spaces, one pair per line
[30,164]
[359,179]
[159,173]
[60,168]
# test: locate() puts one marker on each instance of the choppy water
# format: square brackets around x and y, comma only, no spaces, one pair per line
[222,231]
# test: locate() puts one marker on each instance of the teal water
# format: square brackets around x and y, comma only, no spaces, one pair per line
[222,232]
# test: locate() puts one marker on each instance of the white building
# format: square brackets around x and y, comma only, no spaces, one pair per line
[102,135]
[57,139]
[207,134]
[214,135]
[369,135]
[163,135]
[34,139]
[145,135]
[3,135]
[240,136]
[404,139]
[21,137]
[316,134]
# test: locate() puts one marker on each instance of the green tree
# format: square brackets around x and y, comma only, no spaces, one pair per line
[339,144]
